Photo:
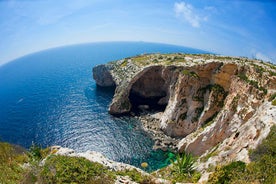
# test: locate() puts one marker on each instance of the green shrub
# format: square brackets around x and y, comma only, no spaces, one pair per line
[272,97]
[190,73]
[263,170]
[184,164]
[226,173]
[273,102]
[35,152]
[64,169]
[10,164]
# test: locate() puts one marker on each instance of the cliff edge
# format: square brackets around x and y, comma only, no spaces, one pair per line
[216,105]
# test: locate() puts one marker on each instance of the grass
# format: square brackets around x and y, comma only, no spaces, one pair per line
[11,164]
[124,63]
[56,169]
[63,169]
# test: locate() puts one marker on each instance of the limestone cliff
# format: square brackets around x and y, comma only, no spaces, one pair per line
[214,103]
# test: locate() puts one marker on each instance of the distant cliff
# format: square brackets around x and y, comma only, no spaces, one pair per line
[214,103]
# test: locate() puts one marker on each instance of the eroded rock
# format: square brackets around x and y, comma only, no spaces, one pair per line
[102,76]
[211,102]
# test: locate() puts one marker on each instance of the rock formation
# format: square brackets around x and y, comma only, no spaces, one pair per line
[213,103]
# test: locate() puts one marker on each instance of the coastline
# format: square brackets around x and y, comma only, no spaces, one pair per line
[151,124]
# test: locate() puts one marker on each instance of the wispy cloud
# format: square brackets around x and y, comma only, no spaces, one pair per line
[187,12]
[44,12]
[261,56]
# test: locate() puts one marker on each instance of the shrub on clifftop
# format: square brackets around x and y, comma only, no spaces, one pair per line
[63,169]
[10,163]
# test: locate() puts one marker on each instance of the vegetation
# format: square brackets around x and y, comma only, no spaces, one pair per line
[184,164]
[136,176]
[262,169]
[252,82]
[56,169]
[10,164]
[267,147]
[124,63]
[273,102]
[225,174]
[63,169]
[235,103]
[259,69]
[181,170]
[190,73]
[272,99]
[219,94]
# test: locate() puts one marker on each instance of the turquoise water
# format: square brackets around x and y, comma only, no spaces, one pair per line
[50,98]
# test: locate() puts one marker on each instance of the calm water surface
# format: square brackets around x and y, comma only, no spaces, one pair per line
[50,98]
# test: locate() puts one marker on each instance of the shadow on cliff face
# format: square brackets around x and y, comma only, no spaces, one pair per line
[141,103]
[149,92]
[103,94]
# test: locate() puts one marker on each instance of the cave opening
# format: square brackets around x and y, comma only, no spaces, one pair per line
[149,92]
[140,103]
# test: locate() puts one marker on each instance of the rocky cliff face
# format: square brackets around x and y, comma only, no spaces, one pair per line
[215,104]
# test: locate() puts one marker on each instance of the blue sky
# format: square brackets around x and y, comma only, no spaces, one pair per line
[236,27]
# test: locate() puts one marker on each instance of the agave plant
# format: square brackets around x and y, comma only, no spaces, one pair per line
[184,163]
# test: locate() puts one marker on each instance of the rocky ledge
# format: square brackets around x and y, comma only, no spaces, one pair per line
[97,157]
[207,103]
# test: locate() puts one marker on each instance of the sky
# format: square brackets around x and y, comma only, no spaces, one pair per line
[227,27]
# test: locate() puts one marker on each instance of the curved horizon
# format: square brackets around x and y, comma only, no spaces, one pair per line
[236,28]
[99,42]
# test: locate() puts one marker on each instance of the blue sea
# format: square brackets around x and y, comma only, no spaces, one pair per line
[50,98]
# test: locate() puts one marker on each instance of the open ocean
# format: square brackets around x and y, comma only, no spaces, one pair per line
[50,98]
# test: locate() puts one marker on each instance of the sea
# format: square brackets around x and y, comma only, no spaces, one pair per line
[50,98]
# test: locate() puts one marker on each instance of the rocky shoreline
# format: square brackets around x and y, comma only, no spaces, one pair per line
[151,124]
[215,104]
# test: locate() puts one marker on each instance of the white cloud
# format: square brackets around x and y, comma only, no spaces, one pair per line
[210,8]
[262,56]
[186,11]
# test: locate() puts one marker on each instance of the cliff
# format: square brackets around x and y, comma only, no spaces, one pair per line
[218,106]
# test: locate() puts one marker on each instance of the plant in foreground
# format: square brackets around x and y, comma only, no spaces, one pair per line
[184,164]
